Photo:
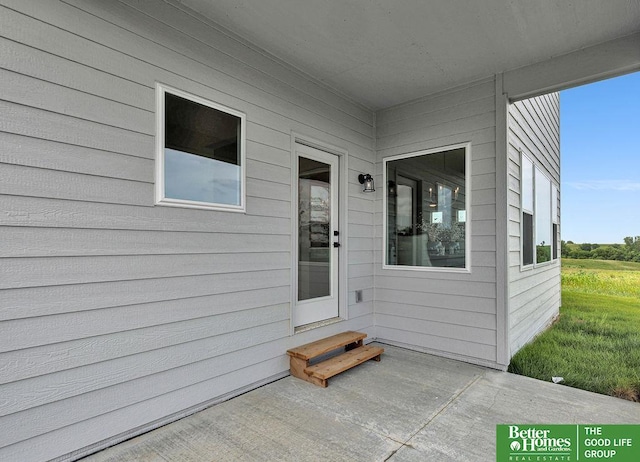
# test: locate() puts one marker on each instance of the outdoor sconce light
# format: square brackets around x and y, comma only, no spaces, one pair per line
[366,180]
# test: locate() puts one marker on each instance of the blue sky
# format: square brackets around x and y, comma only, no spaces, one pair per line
[600,166]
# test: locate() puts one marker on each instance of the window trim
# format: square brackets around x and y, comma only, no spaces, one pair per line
[553,214]
[467,204]
[538,171]
[160,198]
[555,222]
[523,210]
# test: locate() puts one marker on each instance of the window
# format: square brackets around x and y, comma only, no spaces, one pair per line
[527,211]
[543,217]
[200,152]
[555,219]
[426,209]
[539,199]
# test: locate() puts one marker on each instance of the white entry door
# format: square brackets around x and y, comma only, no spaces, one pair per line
[318,236]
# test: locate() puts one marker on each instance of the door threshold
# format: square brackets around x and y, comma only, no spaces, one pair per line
[315,325]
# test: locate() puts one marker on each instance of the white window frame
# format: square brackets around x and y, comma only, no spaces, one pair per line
[555,220]
[467,185]
[554,204]
[160,198]
[524,158]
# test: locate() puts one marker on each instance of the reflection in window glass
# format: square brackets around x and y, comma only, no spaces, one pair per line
[426,209]
[405,208]
[527,238]
[539,215]
[543,217]
[314,215]
[527,184]
[554,204]
[554,219]
[196,178]
[202,153]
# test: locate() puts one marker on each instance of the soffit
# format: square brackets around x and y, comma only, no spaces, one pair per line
[384,52]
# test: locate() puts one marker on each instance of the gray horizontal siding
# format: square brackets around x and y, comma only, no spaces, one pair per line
[73,242]
[42,300]
[263,215]
[194,341]
[459,305]
[51,271]
[452,331]
[168,400]
[27,151]
[447,318]
[450,348]
[111,342]
[533,127]
[55,328]
[452,314]
[117,314]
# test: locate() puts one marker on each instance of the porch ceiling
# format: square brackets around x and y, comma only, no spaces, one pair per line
[385,52]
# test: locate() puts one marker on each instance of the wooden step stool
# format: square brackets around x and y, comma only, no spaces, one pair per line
[319,374]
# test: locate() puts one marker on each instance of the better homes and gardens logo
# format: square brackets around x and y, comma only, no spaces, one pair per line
[546,443]
[538,443]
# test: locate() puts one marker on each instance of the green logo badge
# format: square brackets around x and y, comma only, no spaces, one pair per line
[546,443]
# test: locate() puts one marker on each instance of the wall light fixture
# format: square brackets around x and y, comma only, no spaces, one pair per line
[366,180]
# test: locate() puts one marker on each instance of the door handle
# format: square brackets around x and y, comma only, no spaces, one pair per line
[336,244]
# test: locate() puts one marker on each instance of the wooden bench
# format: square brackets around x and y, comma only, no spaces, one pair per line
[319,374]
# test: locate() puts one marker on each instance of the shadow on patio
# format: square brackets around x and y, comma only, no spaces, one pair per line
[409,407]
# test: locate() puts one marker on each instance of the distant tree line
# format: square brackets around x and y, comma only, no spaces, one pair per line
[629,251]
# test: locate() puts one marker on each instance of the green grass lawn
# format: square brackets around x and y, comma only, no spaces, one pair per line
[595,344]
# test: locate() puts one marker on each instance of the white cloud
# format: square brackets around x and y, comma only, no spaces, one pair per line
[606,185]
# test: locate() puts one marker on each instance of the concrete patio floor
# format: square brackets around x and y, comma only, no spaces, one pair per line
[408,407]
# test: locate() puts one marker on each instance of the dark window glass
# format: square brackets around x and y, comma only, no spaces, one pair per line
[555,241]
[527,238]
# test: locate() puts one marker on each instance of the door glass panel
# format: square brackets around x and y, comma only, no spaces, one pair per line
[314,227]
